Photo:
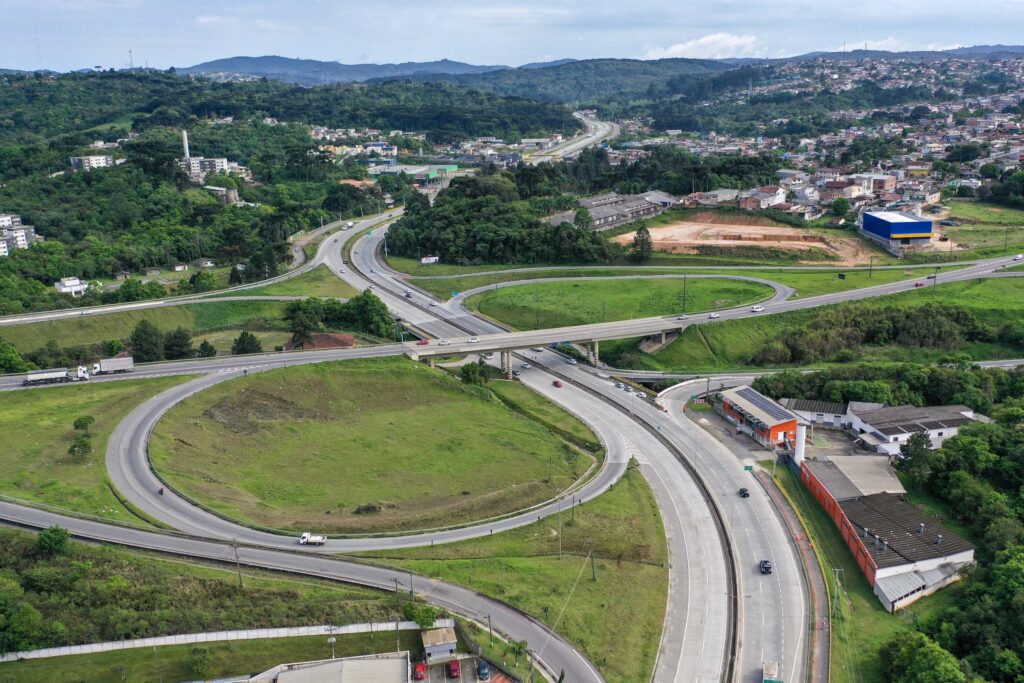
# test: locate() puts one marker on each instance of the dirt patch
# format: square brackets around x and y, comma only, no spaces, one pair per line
[242,412]
[690,237]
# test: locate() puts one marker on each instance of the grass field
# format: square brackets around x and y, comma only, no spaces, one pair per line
[986,228]
[557,304]
[223,339]
[35,465]
[318,282]
[986,213]
[807,283]
[306,447]
[730,344]
[95,328]
[524,399]
[861,625]
[615,620]
[173,663]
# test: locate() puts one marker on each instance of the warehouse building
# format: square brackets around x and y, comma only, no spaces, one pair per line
[904,554]
[885,430]
[391,667]
[896,231]
[758,416]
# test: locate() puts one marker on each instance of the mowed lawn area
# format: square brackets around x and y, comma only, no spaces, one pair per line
[96,327]
[37,424]
[557,304]
[359,446]
[987,228]
[805,282]
[730,344]
[617,619]
[318,282]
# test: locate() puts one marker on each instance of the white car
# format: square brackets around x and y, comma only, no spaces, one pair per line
[525,366]
[473,340]
[573,361]
[1019,257]
[714,315]
[433,303]
[373,286]
[680,317]
[757,309]
[341,270]
[445,342]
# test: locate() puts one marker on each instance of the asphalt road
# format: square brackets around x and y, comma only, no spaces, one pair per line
[596,132]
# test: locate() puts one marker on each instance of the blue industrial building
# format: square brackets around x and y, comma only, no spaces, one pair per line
[896,230]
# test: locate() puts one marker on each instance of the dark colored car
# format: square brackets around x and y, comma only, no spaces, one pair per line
[483,670]
[766,566]
[419,673]
[744,493]
[454,670]
[557,383]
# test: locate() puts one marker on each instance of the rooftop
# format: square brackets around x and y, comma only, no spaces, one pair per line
[438,636]
[758,406]
[812,406]
[899,524]
[913,419]
[899,217]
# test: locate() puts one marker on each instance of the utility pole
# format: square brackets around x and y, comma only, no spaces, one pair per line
[411,594]
[490,631]
[593,567]
[871,265]
[238,565]
[396,598]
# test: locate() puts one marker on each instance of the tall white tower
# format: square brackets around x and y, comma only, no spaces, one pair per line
[184,142]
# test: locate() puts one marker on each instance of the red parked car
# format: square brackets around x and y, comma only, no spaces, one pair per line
[454,670]
[420,671]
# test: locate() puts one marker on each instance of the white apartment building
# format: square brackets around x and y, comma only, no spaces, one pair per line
[90,162]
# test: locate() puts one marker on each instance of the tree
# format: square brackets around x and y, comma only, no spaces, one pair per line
[81,446]
[642,247]
[915,658]
[840,206]
[235,277]
[112,347]
[916,458]
[10,359]
[245,343]
[52,541]
[423,615]
[990,171]
[302,325]
[178,344]
[582,219]
[472,373]
[199,661]
[147,342]
[206,349]
[82,424]
[201,281]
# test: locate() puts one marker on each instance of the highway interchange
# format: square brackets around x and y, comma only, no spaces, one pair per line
[723,618]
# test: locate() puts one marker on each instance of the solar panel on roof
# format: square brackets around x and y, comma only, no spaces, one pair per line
[766,404]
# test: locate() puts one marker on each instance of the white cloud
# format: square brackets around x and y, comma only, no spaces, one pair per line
[894,44]
[211,19]
[711,46]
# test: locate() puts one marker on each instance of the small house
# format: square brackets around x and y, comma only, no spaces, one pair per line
[122,275]
[180,267]
[204,263]
[152,272]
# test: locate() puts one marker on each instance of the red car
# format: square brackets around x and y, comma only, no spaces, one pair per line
[919,284]
[557,383]
[454,670]
[420,671]
[422,342]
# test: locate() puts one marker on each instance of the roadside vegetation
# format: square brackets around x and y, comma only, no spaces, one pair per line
[37,463]
[615,620]
[557,304]
[318,282]
[360,446]
[56,592]
[961,317]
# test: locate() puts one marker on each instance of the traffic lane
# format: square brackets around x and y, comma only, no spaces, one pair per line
[777,603]
[555,652]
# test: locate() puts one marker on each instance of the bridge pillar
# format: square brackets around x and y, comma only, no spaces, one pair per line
[506,364]
[431,361]
[594,353]
[663,337]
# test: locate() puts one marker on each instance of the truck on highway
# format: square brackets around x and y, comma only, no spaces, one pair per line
[311,539]
[348,225]
[772,672]
[108,366]
[56,376]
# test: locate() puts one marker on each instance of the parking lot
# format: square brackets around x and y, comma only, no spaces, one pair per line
[438,673]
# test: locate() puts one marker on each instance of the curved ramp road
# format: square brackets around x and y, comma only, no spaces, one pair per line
[550,648]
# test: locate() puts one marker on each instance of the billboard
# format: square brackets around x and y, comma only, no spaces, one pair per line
[429,260]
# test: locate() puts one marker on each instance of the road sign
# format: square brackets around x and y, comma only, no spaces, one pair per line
[748,468]
[455,293]
[841,276]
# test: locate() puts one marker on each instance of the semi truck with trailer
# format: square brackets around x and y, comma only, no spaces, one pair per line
[56,376]
[108,366]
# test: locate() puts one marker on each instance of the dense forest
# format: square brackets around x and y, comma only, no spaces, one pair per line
[34,108]
[979,474]
[1009,191]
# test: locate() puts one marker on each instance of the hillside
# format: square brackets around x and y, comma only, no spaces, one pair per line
[316,72]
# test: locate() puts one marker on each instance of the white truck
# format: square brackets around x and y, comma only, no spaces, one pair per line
[348,225]
[108,366]
[311,539]
[56,376]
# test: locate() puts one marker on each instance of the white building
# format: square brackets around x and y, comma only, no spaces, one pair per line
[72,286]
[90,162]
[886,429]
[15,235]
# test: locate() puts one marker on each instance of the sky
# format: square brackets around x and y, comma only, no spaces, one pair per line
[71,34]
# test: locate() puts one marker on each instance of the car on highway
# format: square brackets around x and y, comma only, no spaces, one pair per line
[483,670]
[557,384]
[445,342]
[341,270]
[454,669]
[419,672]
[489,355]
[536,349]
[757,309]
[372,270]
[422,342]
[573,361]
[1019,257]
[681,317]
[919,284]
[744,493]
[516,373]
[618,385]
[526,366]
[473,340]
[373,286]
[766,566]
[433,303]
[714,315]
